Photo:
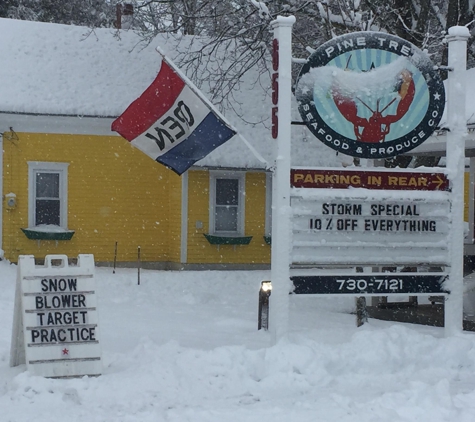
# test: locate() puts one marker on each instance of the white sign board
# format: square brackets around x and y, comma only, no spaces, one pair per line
[56,327]
[363,227]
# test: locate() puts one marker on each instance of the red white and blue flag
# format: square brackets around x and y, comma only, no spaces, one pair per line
[171,123]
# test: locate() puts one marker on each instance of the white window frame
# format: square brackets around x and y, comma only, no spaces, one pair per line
[269,194]
[241,177]
[48,167]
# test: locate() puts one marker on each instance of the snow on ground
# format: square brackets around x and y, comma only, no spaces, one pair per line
[184,346]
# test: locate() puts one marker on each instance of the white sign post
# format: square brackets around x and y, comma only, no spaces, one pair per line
[281,232]
[55,327]
[457,124]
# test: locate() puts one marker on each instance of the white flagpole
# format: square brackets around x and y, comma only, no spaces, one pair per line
[210,105]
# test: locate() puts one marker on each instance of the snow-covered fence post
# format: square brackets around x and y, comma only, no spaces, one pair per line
[281,230]
[457,62]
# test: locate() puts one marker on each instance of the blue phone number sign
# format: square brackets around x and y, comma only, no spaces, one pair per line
[359,284]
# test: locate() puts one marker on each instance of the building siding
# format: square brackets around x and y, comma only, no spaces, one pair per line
[174,218]
[115,194]
[199,250]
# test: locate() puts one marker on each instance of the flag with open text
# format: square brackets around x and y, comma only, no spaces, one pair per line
[171,123]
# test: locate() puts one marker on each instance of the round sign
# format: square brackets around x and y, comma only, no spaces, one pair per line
[370,95]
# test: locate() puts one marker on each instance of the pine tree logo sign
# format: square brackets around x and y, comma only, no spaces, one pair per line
[370,95]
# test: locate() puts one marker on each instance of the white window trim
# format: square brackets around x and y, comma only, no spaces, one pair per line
[62,169]
[241,176]
[184,219]
[268,218]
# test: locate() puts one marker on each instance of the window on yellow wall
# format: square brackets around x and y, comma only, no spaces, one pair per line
[227,203]
[47,192]
[48,203]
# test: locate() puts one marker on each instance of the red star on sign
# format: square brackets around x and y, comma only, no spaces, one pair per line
[65,352]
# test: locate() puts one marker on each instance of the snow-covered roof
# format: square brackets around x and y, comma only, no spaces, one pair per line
[63,70]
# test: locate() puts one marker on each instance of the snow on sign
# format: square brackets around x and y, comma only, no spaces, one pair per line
[55,328]
[373,228]
[370,95]
[366,226]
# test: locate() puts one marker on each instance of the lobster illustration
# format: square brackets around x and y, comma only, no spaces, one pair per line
[375,128]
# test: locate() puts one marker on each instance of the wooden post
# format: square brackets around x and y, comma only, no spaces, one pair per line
[361,312]
[115,257]
[138,265]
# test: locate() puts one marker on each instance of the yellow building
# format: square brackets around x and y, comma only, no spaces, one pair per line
[89,187]
[70,185]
